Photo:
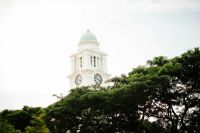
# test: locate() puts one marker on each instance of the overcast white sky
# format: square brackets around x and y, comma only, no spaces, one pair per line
[38,36]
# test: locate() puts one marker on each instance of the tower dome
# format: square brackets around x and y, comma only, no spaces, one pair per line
[88,38]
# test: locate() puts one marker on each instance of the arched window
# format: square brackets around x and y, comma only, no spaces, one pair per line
[81,62]
[97,61]
[94,61]
[91,60]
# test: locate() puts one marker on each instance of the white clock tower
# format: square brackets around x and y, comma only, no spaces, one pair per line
[88,64]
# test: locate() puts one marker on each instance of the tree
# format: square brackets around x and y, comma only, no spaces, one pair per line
[166,91]
[5,127]
[20,119]
[172,92]
[37,125]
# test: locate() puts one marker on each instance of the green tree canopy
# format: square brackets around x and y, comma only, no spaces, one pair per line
[162,96]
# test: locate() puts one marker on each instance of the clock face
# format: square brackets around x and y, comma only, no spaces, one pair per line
[98,79]
[78,79]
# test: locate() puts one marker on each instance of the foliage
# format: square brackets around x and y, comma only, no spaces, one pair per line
[37,125]
[28,120]
[165,90]
[163,96]
[5,127]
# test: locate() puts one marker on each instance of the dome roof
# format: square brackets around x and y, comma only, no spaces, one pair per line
[88,37]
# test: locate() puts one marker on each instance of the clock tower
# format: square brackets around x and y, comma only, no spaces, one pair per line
[88,64]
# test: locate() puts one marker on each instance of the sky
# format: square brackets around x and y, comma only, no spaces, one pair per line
[38,36]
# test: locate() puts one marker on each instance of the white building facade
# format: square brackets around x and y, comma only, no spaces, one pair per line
[88,64]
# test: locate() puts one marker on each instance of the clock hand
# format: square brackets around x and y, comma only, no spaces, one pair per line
[98,79]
